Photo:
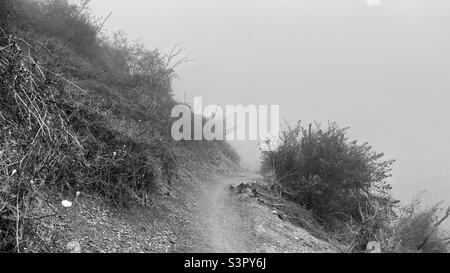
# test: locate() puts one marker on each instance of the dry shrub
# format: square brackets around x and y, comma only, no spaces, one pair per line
[342,182]
[417,230]
[338,179]
[52,139]
[112,140]
[64,19]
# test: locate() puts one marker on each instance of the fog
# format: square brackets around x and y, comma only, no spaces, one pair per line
[382,70]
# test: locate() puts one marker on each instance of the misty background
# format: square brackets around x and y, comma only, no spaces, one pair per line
[382,70]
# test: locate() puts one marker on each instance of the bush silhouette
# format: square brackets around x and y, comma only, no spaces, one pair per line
[337,179]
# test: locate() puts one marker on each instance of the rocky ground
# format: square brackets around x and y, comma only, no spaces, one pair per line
[231,217]
[211,210]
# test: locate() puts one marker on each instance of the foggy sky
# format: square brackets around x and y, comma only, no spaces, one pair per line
[382,70]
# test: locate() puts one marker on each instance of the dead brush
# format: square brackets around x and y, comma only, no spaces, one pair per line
[52,141]
[34,136]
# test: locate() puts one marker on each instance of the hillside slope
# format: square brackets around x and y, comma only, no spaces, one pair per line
[87,161]
[168,224]
[86,120]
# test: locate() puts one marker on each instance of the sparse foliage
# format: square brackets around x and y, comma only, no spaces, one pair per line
[339,180]
[417,230]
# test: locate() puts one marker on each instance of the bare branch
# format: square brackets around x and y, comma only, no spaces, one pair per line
[435,228]
[104,21]
[82,8]
[174,54]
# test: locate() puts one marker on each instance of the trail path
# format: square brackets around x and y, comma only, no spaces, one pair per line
[228,223]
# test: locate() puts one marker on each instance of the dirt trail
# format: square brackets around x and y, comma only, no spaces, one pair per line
[226,229]
[228,223]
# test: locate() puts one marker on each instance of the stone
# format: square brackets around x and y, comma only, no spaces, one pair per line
[374,247]
[74,247]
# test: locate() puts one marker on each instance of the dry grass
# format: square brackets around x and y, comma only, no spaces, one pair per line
[52,139]
[80,113]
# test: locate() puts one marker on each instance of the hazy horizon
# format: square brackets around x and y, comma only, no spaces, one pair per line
[382,70]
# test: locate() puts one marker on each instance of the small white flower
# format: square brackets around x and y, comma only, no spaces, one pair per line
[13,172]
[67,204]
[114,154]
[78,194]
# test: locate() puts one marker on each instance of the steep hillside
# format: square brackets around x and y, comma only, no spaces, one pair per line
[86,120]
